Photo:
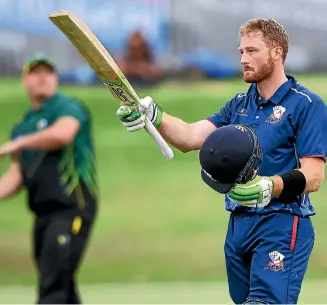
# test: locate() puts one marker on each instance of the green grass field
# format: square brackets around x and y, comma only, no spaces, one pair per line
[157,222]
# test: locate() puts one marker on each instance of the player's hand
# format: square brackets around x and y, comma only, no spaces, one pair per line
[9,148]
[134,120]
[256,193]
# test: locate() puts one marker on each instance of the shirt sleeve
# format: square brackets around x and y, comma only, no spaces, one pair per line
[222,117]
[74,110]
[311,138]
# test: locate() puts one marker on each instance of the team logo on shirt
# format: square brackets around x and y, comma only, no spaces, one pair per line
[276,261]
[63,239]
[276,116]
[41,124]
[242,112]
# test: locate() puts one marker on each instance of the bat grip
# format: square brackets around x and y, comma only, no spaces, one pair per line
[153,132]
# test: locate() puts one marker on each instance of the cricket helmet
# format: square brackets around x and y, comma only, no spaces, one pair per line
[231,154]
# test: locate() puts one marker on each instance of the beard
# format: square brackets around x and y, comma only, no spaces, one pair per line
[263,72]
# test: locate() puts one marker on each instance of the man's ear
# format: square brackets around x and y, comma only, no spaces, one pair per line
[277,53]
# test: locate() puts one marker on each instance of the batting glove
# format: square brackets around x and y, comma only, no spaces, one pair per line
[256,193]
[133,120]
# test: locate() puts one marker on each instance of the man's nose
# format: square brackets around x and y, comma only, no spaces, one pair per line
[244,59]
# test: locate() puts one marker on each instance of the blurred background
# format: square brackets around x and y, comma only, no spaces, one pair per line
[166,244]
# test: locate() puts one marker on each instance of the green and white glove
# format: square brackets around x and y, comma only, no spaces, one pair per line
[256,193]
[133,120]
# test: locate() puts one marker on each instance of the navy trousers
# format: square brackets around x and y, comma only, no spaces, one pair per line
[267,257]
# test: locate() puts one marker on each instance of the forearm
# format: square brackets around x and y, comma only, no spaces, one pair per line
[10,185]
[185,137]
[176,132]
[46,139]
[8,190]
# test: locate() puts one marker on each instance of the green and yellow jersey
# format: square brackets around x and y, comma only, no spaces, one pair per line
[64,178]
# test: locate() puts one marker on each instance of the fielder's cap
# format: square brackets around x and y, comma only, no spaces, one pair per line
[38,58]
[231,154]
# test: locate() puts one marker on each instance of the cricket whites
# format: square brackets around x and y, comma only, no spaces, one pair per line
[105,67]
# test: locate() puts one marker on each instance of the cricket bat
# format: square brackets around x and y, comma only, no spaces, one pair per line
[105,67]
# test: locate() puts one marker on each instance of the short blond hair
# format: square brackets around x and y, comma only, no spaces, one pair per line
[272,31]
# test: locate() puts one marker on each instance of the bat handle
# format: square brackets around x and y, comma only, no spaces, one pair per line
[156,136]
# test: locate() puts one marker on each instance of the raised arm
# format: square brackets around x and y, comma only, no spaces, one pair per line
[184,136]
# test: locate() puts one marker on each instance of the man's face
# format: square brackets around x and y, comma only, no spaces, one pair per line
[256,59]
[41,83]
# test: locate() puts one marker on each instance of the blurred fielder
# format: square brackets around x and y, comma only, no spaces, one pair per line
[52,156]
[270,235]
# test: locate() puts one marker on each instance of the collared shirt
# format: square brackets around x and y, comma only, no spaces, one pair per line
[292,124]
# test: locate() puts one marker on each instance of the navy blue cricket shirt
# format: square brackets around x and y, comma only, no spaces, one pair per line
[290,125]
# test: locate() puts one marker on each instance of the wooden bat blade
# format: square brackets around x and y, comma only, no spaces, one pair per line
[89,46]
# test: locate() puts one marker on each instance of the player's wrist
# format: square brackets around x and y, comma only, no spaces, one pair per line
[294,184]
[278,185]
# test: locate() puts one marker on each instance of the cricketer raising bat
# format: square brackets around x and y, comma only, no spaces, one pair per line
[105,67]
